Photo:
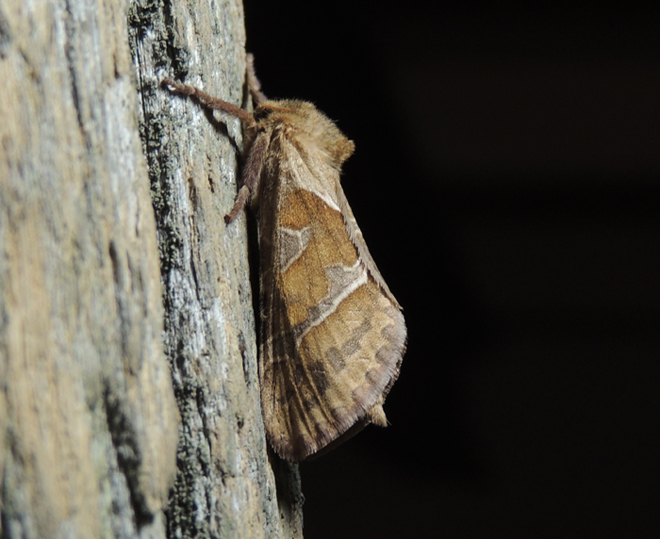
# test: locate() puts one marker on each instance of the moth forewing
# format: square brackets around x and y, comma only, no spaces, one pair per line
[332,334]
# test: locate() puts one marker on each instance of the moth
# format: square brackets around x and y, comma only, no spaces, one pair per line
[332,334]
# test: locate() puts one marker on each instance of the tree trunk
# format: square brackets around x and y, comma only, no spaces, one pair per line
[89,425]
[225,486]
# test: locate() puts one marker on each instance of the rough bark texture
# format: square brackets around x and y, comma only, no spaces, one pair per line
[225,486]
[88,419]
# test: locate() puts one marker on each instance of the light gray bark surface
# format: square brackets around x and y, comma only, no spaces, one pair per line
[89,425]
[225,485]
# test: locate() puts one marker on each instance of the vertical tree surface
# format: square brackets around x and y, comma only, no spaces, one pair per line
[89,426]
[225,484]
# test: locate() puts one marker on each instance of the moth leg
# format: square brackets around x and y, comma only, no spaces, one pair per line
[251,173]
[209,101]
[240,202]
[253,82]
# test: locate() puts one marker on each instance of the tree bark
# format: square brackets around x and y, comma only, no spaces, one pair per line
[226,484]
[89,424]
[88,421]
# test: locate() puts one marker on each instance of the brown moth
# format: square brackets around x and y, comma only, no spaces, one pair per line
[332,334]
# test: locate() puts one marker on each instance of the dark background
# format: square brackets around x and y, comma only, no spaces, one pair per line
[506,181]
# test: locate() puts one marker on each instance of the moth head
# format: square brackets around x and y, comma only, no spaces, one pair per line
[301,119]
[264,110]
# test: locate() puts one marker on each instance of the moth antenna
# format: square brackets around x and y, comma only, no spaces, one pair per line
[253,82]
[209,101]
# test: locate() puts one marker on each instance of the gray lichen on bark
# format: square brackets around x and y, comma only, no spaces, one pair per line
[225,485]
